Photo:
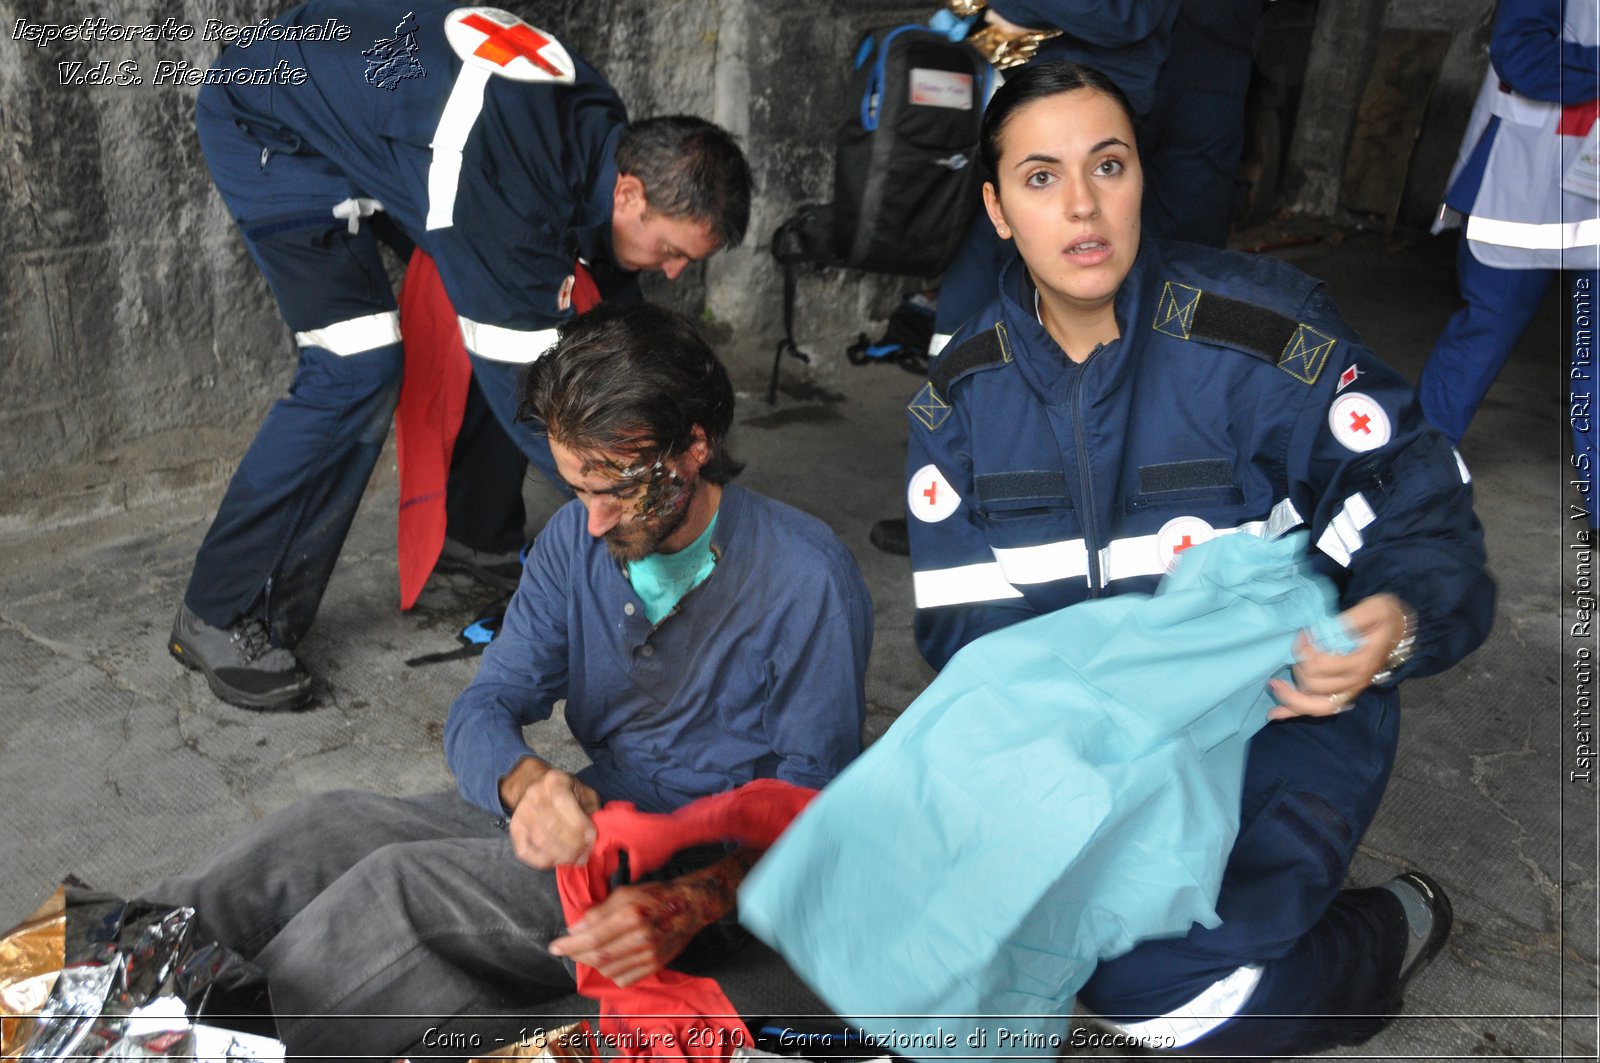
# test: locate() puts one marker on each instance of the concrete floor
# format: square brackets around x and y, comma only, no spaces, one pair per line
[119,766]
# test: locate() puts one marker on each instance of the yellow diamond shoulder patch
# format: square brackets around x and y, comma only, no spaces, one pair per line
[928,407]
[1306,353]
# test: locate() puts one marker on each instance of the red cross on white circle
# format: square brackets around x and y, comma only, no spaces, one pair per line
[929,496]
[1180,534]
[1358,422]
[502,43]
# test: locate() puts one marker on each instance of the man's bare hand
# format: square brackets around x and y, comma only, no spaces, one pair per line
[550,813]
[636,931]
[640,929]
[1324,683]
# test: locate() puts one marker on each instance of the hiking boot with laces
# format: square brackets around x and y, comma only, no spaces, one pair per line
[240,663]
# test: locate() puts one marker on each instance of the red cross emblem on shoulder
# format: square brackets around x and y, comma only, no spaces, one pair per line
[502,43]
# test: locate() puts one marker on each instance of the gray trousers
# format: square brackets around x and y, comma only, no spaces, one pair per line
[376,918]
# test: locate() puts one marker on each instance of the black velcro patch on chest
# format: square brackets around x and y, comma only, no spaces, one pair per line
[1024,485]
[1185,475]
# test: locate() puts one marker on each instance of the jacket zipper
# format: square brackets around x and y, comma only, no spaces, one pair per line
[1090,538]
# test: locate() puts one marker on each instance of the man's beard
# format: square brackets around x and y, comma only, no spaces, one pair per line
[638,539]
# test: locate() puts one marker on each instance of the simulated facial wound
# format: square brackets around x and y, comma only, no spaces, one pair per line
[663,497]
[635,503]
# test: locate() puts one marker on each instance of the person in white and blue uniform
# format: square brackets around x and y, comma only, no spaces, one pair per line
[483,141]
[1184,66]
[1527,182]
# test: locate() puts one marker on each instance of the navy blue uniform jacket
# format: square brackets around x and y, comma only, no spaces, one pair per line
[1235,400]
[532,186]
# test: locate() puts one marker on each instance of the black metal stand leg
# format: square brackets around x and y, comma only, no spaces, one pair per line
[787,344]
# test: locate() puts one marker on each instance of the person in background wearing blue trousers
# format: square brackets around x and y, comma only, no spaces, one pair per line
[1526,182]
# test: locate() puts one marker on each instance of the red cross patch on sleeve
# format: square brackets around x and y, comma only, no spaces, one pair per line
[930,497]
[1358,422]
[501,43]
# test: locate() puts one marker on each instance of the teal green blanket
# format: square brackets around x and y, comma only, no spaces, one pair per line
[1067,787]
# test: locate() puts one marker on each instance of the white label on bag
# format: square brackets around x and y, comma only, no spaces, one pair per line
[941,88]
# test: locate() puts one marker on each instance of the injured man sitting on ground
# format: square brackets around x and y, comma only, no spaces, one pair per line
[701,635]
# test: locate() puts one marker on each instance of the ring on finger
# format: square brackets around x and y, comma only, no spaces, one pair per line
[1338,701]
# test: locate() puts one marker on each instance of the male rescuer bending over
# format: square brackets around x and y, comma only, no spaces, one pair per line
[479,139]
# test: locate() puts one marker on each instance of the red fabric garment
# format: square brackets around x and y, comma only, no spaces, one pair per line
[671,1015]
[1578,118]
[585,292]
[433,395]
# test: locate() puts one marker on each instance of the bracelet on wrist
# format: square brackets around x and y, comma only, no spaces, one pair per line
[1400,653]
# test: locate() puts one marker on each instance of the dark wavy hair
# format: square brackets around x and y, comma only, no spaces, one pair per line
[1033,82]
[690,169]
[633,378]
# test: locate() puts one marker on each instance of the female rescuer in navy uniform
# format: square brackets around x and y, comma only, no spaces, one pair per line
[1119,400]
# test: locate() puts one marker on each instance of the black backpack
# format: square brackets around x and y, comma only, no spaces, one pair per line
[904,183]
[905,186]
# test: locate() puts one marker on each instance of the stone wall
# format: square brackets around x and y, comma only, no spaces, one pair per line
[127,305]
[1467,21]
[1343,47]
[129,309]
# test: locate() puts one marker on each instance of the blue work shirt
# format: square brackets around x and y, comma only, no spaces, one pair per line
[758,672]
